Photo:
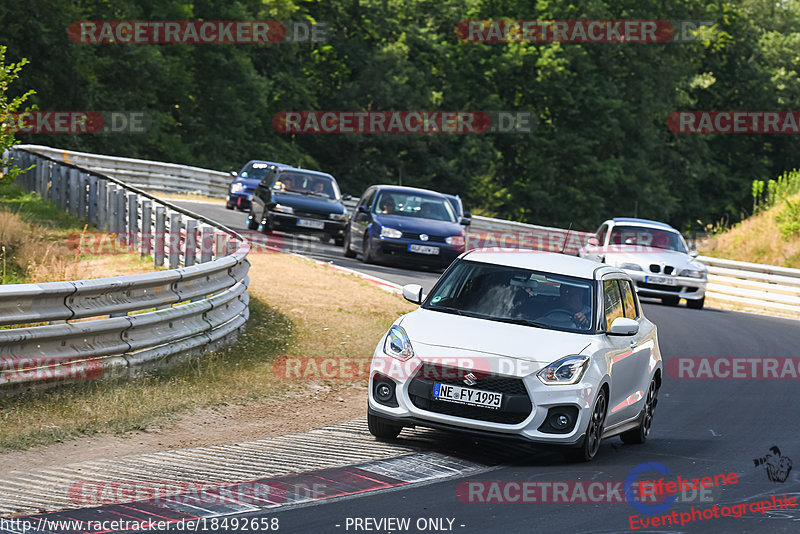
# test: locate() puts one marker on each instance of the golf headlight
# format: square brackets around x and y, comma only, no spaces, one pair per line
[397,344]
[455,240]
[567,370]
[630,266]
[237,187]
[692,273]
[391,233]
[283,209]
[338,216]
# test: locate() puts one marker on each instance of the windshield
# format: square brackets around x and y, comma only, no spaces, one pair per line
[307,184]
[647,237]
[514,295]
[414,205]
[255,170]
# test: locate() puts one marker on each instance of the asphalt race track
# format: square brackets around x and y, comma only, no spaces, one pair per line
[701,428]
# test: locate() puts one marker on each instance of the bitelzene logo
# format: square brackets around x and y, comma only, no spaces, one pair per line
[632,481]
[777,465]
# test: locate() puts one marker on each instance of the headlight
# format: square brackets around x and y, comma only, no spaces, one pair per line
[692,273]
[397,344]
[630,266]
[237,187]
[391,233]
[455,240]
[567,370]
[338,216]
[283,209]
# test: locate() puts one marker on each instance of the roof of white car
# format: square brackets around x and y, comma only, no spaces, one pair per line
[549,262]
[630,221]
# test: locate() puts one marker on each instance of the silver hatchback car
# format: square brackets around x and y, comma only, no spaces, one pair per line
[654,255]
[543,347]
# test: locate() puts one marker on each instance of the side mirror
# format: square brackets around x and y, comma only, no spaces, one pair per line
[622,326]
[413,293]
[468,214]
[694,254]
[347,197]
[464,221]
[362,209]
[234,173]
[593,241]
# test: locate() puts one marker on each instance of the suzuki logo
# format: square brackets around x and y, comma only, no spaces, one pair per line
[423,237]
[470,379]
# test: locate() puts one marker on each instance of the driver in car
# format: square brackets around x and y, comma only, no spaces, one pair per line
[570,300]
[387,205]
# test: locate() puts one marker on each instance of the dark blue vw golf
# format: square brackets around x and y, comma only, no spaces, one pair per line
[404,225]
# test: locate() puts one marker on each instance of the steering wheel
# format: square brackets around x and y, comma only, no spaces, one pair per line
[560,315]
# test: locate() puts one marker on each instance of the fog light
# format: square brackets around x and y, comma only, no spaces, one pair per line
[560,420]
[383,392]
[383,389]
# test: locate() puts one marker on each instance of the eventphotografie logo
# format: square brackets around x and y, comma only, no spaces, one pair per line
[195,32]
[404,122]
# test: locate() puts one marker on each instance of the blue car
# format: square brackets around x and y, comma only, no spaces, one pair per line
[404,225]
[244,184]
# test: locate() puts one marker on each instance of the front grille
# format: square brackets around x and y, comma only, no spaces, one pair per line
[515,408]
[668,269]
[431,238]
[655,268]
[646,285]
[310,214]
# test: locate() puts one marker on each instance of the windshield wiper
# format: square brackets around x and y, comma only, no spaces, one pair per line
[519,320]
[448,309]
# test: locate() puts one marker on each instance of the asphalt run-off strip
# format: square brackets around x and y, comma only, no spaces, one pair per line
[329,462]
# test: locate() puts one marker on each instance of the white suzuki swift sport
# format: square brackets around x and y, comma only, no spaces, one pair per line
[545,347]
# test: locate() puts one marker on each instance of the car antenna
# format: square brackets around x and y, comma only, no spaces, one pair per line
[566,238]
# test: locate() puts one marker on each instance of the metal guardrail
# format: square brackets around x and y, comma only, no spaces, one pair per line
[121,326]
[761,286]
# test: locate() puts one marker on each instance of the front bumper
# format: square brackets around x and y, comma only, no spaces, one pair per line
[289,223]
[385,249]
[684,287]
[242,201]
[409,411]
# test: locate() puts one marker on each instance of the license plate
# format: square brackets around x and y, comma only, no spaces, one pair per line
[423,249]
[663,280]
[472,397]
[308,223]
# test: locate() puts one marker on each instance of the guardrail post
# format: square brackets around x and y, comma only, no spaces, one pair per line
[102,204]
[73,191]
[147,223]
[206,244]
[121,209]
[113,208]
[82,179]
[39,186]
[174,240]
[133,220]
[161,230]
[191,243]
[63,187]
[46,191]
[221,245]
[92,200]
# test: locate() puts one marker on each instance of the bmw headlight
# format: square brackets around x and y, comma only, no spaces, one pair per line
[237,187]
[283,209]
[692,273]
[338,216]
[397,344]
[391,233]
[630,266]
[567,370]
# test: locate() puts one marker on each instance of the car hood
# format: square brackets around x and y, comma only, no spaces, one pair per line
[418,226]
[634,254]
[491,337]
[251,183]
[308,202]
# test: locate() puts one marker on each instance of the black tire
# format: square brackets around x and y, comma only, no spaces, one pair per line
[382,428]
[267,227]
[594,432]
[252,222]
[696,304]
[366,252]
[670,301]
[228,206]
[338,241]
[348,253]
[639,435]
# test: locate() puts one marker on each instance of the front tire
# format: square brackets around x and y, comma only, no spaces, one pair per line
[696,304]
[382,428]
[639,435]
[594,432]
[252,223]
[348,253]
[366,252]
[670,301]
